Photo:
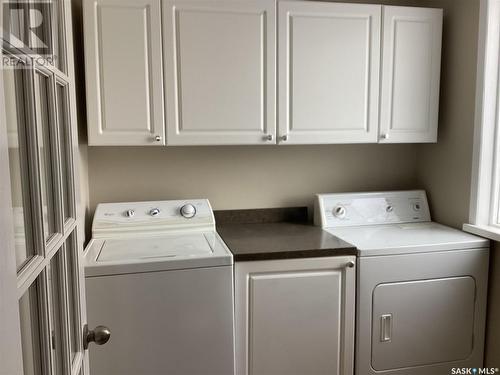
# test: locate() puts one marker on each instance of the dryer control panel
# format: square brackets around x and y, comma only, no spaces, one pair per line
[353,209]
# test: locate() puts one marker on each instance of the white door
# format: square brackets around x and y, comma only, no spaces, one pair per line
[41,279]
[328,72]
[411,66]
[124,72]
[295,317]
[220,71]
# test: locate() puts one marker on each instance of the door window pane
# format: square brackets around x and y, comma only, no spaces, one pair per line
[46,140]
[55,303]
[30,332]
[59,34]
[15,21]
[73,293]
[65,149]
[40,38]
[17,121]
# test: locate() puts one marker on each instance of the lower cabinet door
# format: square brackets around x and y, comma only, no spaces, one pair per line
[295,316]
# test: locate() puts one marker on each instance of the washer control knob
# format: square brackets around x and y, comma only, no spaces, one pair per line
[188,211]
[154,212]
[129,213]
[339,212]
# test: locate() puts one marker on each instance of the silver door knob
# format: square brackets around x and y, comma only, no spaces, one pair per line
[99,335]
[157,138]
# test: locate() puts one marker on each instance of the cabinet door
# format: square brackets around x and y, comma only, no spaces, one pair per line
[411,64]
[124,72]
[220,71]
[328,72]
[295,317]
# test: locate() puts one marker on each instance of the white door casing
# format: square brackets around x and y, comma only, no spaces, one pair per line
[411,67]
[329,57]
[124,78]
[220,71]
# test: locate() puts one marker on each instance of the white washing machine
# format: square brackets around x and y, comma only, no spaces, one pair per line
[159,276]
[421,286]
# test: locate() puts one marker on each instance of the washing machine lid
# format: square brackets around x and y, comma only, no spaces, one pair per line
[393,239]
[155,253]
[156,247]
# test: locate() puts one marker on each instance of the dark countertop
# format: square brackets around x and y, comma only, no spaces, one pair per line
[281,240]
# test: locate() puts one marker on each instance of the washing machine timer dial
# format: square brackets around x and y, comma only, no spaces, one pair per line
[188,211]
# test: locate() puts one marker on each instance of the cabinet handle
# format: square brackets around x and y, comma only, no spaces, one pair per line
[386,328]
[157,138]
[284,138]
[268,137]
[384,136]
[350,264]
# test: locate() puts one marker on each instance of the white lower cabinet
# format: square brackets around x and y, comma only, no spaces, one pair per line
[295,316]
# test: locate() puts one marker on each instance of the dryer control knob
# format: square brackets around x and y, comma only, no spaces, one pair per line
[339,212]
[188,211]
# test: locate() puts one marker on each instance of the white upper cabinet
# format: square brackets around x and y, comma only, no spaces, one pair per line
[411,64]
[124,72]
[220,71]
[240,72]
[329,57]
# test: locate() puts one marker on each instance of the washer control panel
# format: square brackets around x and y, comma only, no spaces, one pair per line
[159,216]
[351,209]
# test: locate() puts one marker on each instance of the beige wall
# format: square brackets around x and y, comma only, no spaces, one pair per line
[444,168]
[246,177]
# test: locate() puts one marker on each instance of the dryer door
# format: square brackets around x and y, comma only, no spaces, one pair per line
[422,322]
[421,314]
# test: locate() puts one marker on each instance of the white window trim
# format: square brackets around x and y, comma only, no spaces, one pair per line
[483,217]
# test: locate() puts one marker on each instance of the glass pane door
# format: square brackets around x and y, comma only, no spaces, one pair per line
[38,103]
